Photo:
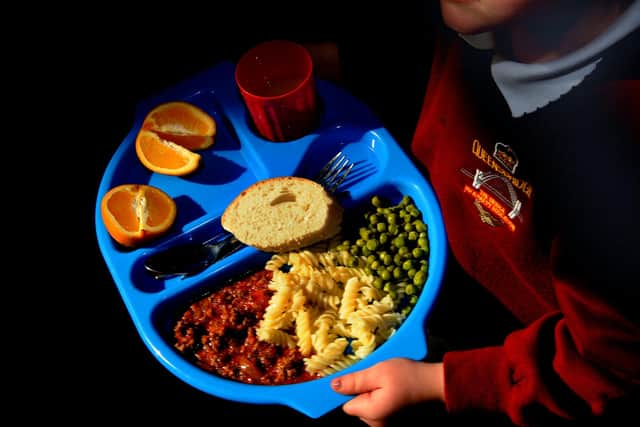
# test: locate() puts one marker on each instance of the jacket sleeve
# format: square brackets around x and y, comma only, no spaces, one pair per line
[567,366]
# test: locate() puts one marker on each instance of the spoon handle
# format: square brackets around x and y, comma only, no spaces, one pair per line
[190,258]
[228,246]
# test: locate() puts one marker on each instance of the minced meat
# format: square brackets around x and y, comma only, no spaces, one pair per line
[218,333]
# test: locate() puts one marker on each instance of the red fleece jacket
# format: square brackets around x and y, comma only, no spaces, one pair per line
[539,211]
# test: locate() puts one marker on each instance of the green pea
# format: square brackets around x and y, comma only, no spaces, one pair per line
[419,226]
[364,233]
[387,259]
[419,278]
[423,243]
[384,238]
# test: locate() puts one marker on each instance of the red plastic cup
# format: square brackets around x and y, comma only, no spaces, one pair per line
[276,81]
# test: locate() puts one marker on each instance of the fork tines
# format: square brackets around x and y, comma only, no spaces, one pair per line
[334,172]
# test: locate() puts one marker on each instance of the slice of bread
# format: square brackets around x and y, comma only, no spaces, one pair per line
[283,214]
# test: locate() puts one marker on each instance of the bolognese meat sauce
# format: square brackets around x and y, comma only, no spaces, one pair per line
[218,333]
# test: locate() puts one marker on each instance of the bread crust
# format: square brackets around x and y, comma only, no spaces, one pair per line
[283,214]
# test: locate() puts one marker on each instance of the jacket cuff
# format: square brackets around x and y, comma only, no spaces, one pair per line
[476,379]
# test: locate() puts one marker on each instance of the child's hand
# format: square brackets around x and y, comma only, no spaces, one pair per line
[389,386]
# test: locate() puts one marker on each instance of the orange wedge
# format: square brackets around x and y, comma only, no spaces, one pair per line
[183,123]
[136,213]
[163,156]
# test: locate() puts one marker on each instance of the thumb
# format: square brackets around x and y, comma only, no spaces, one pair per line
[355,382]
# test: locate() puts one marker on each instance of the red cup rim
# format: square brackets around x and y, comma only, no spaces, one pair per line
[308,63]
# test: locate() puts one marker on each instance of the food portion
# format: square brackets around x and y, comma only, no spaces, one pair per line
[134,214]
[315,311]
[218,333]
[163,156]
[182,123]
[171,132]
[282,214]
[394,243]
[326,306]
[170,136]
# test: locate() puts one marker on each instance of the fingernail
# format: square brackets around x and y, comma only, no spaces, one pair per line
[336,384]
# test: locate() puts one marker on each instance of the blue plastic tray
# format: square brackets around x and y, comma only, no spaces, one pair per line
[239,158]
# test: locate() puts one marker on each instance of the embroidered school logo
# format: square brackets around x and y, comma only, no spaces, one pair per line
[506,156]
[494,190]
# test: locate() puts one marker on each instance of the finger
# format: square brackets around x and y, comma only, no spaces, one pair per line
[365,407]
[356,382]
[359,405]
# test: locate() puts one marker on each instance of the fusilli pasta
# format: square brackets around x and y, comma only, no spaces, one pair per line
[326,308]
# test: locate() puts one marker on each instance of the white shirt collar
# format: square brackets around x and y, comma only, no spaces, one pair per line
[527,87]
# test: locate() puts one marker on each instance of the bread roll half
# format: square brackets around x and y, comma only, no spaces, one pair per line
[283,214]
